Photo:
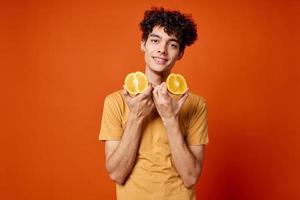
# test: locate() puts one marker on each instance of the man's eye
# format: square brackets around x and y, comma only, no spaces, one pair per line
[154,41]
[175,46]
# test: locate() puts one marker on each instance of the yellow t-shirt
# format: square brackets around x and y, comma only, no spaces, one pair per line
[154,176]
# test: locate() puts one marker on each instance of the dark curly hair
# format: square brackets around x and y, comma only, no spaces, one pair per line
[173,22]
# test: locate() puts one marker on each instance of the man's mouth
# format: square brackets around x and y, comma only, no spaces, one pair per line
[160,61]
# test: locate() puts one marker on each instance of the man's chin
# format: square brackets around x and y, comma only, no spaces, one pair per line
[160,69]
[161,72]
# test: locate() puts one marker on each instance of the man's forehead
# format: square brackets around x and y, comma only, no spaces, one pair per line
[159,31]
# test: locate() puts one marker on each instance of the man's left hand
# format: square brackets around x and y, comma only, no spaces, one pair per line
[166,106]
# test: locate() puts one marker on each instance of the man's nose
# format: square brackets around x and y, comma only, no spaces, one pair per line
[162,48]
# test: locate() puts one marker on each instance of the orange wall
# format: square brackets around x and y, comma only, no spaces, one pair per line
[59,60]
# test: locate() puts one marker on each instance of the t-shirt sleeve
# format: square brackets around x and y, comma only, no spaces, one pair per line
[111,123]
[197,132]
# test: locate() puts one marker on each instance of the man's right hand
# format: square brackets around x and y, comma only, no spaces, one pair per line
[140,105]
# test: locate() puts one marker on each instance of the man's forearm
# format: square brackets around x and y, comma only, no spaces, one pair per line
[121,161]
[187,165]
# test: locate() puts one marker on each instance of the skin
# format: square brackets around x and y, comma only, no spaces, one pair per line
[161,52]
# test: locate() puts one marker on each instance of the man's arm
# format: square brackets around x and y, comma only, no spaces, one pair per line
[121,155]
[187,159]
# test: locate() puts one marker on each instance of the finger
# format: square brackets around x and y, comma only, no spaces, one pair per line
[149,103]
[163,89]
[152,106]
[155,94]
[147,92]
[187,91]
[183,98]
[155,89]
[159,89]
[163,93]
[125,93]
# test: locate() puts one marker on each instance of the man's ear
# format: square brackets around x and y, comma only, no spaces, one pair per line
[143,48]
[180,55]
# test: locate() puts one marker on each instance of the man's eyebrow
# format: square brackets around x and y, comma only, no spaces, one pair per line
[155,35]
[174,39]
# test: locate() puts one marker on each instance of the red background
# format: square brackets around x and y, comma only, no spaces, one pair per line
[59,59]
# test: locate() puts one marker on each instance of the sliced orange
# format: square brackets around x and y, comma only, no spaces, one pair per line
[136,83]
[176,84]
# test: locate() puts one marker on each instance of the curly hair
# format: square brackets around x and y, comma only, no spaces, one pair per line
[173,22]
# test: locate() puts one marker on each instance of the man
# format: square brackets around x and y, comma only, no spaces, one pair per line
[154,143]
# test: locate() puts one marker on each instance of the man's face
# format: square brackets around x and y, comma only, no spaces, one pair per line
[161,50]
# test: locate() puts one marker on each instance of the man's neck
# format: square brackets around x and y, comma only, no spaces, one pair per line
[156,78]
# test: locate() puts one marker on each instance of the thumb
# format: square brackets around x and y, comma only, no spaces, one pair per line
[163,89]
[125,93]
[183,98]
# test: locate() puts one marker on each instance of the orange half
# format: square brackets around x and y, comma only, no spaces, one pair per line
[136,83]
[176,84]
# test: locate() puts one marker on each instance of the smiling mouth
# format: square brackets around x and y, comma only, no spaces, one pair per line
[160,60]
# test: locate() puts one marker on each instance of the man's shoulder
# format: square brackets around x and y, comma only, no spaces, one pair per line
[115,98]
[115,95]
[196,99]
